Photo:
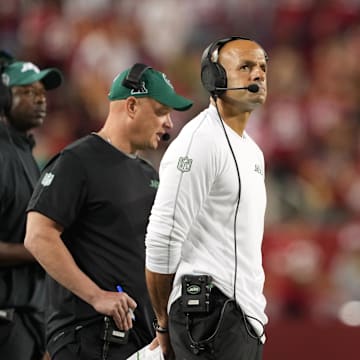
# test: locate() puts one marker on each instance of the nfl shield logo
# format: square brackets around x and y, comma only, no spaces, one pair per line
[184,164]
[47,179]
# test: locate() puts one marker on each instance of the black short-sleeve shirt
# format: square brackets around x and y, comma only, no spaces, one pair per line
[102,197]
[20,285]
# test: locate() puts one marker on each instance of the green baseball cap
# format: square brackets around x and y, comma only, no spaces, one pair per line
[20,73]
[152,84]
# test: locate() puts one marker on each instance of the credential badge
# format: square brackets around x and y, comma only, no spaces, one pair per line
[47,179]
[184,164]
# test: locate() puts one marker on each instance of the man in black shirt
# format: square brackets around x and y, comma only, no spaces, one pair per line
[87,220]
[22,108]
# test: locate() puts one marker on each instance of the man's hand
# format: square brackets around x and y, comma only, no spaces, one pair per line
[164,341]
[117,305]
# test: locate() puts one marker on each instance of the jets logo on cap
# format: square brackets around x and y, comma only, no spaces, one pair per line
[142,90]
[29,66]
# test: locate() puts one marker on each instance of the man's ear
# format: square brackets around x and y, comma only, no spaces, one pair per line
[132,104]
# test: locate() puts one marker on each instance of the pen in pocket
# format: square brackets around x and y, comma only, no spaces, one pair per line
[120,289]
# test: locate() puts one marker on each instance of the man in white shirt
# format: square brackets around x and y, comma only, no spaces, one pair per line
[203,244]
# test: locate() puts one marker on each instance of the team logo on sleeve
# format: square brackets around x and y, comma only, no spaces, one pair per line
[154,183]
[259,170]
[184,164]
[47,179]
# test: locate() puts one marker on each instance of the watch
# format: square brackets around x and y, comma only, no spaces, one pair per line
[158,328]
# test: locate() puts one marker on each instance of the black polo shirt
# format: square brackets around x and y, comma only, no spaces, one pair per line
[102,197]
[20,286]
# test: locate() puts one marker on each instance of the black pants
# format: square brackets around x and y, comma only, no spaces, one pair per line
[17,339]
[231,341]
[86,344]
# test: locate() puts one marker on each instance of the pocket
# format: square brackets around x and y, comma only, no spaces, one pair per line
[90,343]
[204,326]
[60,340]
[233,337]
[233,327]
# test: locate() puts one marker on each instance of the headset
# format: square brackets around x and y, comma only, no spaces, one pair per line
[132,80]
[5,92]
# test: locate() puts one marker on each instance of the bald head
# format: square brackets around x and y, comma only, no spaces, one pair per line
[234,51]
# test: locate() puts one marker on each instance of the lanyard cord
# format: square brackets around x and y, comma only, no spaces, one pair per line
[237,200]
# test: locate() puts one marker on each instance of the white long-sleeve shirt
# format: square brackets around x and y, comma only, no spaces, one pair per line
[191,227]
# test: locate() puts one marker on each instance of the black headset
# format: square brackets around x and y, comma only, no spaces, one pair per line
[5,92]
[133,78]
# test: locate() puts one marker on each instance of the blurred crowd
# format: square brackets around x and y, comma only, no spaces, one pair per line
[309,128]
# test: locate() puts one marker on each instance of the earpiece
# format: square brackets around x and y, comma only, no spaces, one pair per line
[133,78]
[213,74]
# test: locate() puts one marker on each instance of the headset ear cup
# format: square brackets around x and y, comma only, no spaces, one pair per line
[132,80]
[220,78]
[207,78]
[207,71]
[213,76]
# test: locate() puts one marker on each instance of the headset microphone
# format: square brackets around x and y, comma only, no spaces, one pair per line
[165,137]
[252,88]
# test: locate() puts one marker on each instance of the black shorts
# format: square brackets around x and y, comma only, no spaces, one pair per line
[232,338]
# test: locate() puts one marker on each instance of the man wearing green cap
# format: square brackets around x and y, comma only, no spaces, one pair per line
[87,220]
[22,108]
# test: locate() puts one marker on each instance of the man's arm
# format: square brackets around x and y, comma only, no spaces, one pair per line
[44,242]
[159,287]
[14,254]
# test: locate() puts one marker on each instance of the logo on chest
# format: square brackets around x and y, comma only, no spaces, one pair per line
[184,164]
[154,183]
[47,179]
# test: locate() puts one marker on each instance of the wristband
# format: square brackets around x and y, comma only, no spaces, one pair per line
[158,328]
